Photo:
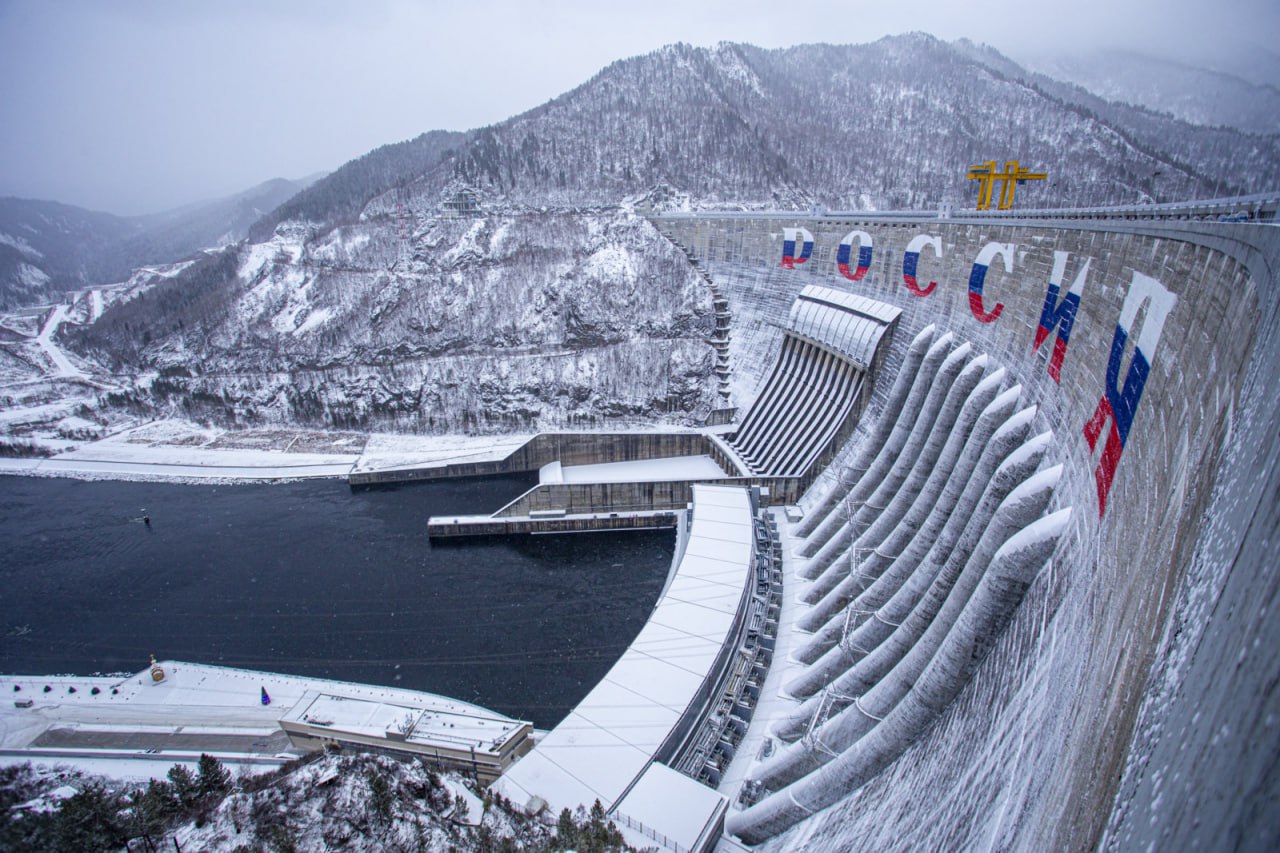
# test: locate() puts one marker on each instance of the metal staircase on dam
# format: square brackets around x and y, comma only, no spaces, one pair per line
[720,338]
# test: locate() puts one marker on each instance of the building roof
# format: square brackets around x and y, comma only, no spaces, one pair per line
[849,324]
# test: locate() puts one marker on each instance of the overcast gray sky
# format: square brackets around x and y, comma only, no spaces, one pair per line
[136,107]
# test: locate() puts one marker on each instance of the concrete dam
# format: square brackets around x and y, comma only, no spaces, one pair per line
[1132,698]
[980,556]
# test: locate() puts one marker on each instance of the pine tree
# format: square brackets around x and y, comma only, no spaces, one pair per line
[155,808]
[380,799]
[185,786]
[214,779]
[90,821]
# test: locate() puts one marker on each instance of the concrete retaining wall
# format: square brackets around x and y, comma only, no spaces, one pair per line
[568,448]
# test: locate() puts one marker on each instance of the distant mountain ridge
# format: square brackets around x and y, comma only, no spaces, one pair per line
[885,125]
[48,248]
[1201,96]
[340,196]
[361,303]
[890,124]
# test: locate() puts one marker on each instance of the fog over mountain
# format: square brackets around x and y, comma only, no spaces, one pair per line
[47,248]
[886,125]
[1224,95]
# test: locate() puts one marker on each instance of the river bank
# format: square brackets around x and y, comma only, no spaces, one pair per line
[181,451]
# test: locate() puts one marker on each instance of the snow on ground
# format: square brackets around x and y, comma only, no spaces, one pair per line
[55,353]
[27,325]
[21,244]
[219,703]
[183,451]
[385,451]
[139,470]
[113,451]
[475,806]
[31,277]
[138,769]
[19,415]
[314,319]
[175,449]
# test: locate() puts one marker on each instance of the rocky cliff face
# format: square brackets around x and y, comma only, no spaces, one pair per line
[503,322]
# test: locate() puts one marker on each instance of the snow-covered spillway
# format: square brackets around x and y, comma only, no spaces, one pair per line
[1130,700]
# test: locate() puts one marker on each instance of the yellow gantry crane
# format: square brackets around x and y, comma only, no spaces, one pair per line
[986,176]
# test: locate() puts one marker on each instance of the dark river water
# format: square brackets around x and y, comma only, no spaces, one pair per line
[313,579]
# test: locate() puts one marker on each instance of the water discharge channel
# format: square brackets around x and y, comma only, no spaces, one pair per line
[311,578]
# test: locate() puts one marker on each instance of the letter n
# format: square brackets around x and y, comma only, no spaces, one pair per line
[1060,315]
[1119,403]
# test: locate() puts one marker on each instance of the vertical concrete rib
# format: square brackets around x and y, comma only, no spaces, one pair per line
[925,469]
[875,439]
[863,629]
[886,453]
[1002,465]
[891,479]
[881,679]
[1012,570]
[911,538]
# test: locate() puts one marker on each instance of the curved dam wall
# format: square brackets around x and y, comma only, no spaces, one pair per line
[1133,699]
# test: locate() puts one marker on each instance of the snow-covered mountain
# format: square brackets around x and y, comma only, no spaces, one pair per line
[47,248]
[360,304]
[889,124]
[498,323]
[1189,92]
